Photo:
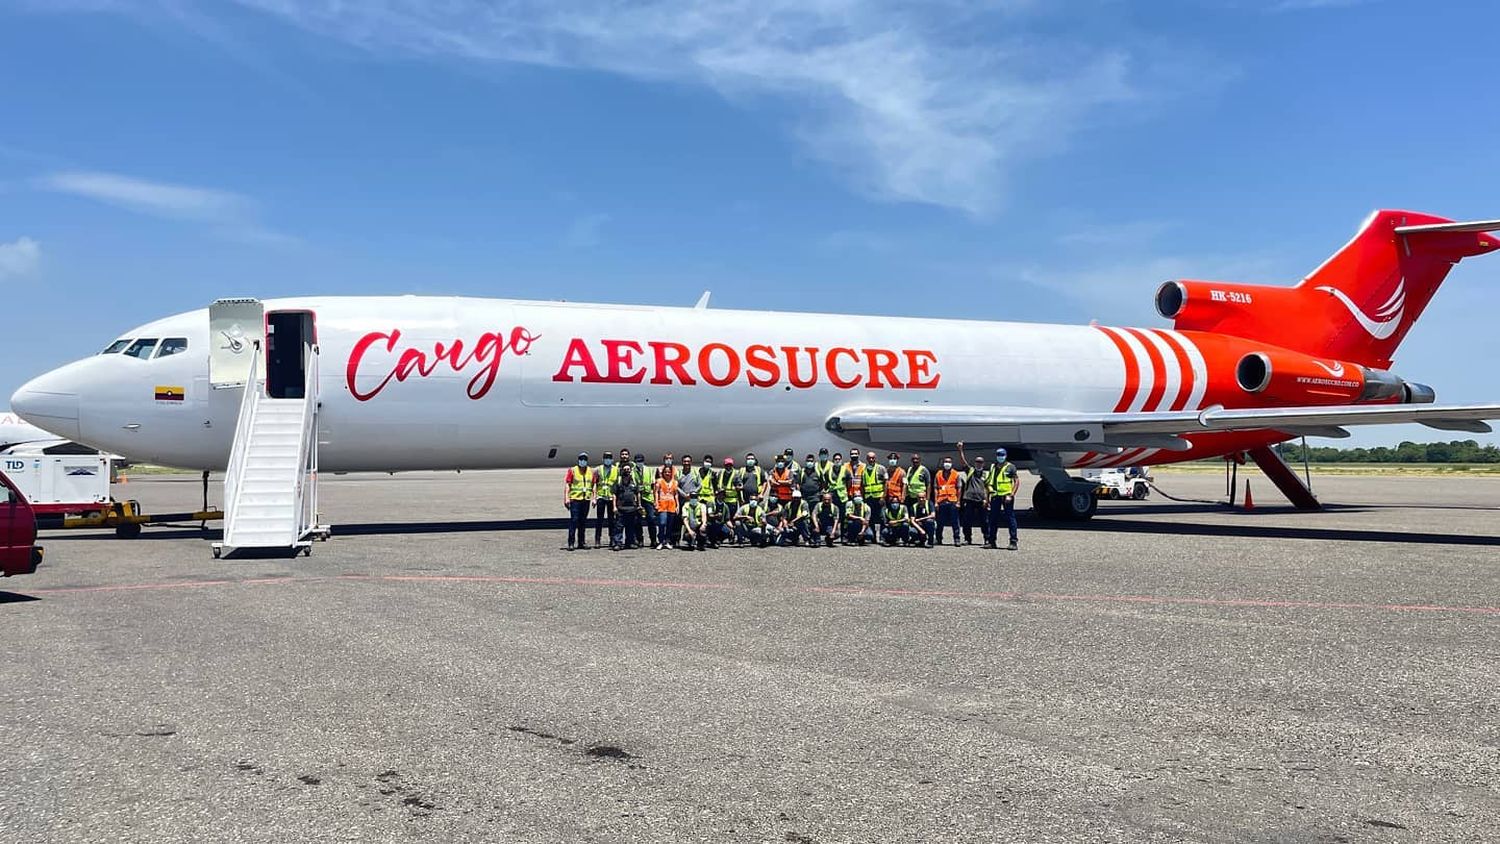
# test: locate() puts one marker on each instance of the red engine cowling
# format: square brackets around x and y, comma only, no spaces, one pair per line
[1239,310]
[1292,378]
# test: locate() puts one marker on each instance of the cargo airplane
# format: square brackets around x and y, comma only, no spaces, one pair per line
[422,382]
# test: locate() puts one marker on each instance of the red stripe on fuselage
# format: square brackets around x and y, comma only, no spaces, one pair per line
[1184,363]
[1132,369]
[1158,371]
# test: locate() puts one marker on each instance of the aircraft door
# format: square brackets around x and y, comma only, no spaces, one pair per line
[290,337]
[234,327]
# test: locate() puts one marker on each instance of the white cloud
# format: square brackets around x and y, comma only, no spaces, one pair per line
[157,198]
[932,103]
[19,257]
[229,214]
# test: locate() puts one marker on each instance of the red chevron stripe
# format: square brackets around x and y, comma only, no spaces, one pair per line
[1158,371]
[1132,369]
[1184,363]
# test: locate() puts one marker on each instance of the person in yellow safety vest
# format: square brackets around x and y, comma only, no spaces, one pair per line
[872,487]
[857,521]
[1002,484]
[645,478]
[746,483]
[918,481]
[836,480]
[709,480]
[729,489]
[578,494]
[695,524]
[606,478]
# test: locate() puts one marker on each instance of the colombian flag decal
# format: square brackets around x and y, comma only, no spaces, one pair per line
[170,394]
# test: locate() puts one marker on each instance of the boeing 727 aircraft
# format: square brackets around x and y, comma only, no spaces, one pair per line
[422,382]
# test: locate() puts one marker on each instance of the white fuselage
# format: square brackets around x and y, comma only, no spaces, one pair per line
[533,383]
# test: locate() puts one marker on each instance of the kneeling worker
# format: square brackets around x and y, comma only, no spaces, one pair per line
[857,521]
[750,523]
[897,521]
[825,520]
[694,516]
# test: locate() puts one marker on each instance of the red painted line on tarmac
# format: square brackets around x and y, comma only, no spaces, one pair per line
[1039,597]
[1155,600]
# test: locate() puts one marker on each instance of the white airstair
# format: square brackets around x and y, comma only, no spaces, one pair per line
[271,483]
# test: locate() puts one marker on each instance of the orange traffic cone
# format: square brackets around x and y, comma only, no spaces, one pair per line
[1249,501]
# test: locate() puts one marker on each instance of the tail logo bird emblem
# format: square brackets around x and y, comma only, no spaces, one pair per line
[1386,320]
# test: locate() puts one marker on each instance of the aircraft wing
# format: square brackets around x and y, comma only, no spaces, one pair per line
[1064,430]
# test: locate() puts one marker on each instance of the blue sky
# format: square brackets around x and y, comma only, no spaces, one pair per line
[1019,159]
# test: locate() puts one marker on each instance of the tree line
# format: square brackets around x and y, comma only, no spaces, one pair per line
[1456,451]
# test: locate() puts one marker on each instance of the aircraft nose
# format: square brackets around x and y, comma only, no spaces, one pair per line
[49,403]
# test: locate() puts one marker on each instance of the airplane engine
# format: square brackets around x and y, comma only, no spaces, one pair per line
[1242,310]
[1292,378]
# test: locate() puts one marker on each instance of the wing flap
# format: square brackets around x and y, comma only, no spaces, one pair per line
[1062,429]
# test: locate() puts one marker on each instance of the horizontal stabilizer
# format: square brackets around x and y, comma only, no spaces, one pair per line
[1473,226]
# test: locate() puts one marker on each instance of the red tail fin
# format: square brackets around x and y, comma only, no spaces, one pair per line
[1356,307]
[1360,303]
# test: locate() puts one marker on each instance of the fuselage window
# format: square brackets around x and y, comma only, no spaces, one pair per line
[116,347]
[172,346]
[141,348]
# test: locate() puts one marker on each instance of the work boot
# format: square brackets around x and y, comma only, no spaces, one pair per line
[1012,545]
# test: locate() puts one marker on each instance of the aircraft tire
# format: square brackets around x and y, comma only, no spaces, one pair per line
[1042,499]
[1077,506]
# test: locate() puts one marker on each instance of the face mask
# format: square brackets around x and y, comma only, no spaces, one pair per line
[583,463]
[808,464]
[947,464]
[858,500]
[780,465]
[609,461]
[893,461]
[707,465]
[822,459]
[750,462]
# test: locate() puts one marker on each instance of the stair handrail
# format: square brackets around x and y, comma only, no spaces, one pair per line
[307,451]
[241,442]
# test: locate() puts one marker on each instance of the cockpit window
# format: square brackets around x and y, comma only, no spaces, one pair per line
[172,346]
[141,348]
[115,347]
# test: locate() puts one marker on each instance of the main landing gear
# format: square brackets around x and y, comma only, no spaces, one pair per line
[1048,503]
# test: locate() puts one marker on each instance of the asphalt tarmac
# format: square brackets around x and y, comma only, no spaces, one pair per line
[442,670]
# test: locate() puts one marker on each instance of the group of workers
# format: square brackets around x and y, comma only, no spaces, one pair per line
[819,502]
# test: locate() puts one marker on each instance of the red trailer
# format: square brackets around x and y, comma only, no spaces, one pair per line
[19,553]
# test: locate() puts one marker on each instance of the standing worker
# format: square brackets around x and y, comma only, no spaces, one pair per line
[836,481]
[645,481]
[710,479]
[973,508]
[872,486]
[1002,485]
[918,481]
[578,495]
[781,482]
[810,482]
[605,479]
[895,481]
[627,506]
[945,488]
[666,493]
